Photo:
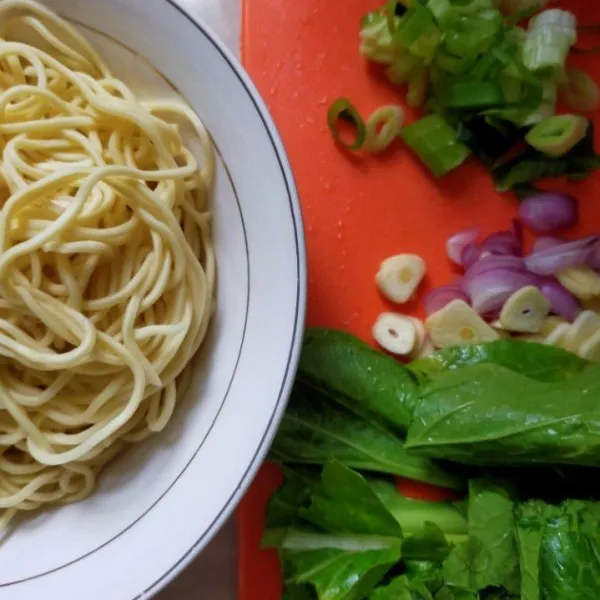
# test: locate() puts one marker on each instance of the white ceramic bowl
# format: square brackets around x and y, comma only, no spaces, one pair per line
[160,503]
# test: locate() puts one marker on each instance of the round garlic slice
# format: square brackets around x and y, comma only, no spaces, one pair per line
[583,328]
[552,323]
[457,323]
[399,276]
[395,333]
[591,348]
[582,282]
[422,338]
[525,311]
[555,338]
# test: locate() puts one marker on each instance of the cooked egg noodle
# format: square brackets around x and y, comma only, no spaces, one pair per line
[107,267]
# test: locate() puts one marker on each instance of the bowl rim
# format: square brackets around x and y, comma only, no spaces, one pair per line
[290,373]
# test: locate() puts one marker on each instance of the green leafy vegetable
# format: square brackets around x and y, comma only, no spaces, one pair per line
[369,383]
[536,361]
[413,515]
[285,503]
[489,558]
[402,588]
[538,524]
[344,502]
[448,593]
[426,572]
[298,592]
[340,569]
[315,430]
[488,415]
[569,562]
[341,535]
[429,545]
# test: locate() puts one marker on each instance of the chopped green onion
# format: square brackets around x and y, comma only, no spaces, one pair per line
[512,89]
[417,89]
[417,32]
[581,92]
[532,165]
[436,144]
[515,7]
[546,107]
[383,127]
[396,8]
[473,94]
[522,10]
[376,42]
[443,12]
[471,36]
[343,109]
[455,65]
[494,62]
[371,18]
[404,68]
[515,35]
[549,38]
[470,7]
[557,135]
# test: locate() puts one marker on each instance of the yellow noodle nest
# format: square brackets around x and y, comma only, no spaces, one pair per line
[106,261]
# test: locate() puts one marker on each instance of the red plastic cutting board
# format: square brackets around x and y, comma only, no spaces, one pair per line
[357,210]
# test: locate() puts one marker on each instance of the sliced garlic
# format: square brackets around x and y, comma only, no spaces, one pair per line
[550,325]
[395,333]
[399,277]
[419,328]
[591,348]
[583,328]
[535,338]
[555,338]
[421,337]
[458,323]
[582,282]
[499,329]
[525,310]
[426,349]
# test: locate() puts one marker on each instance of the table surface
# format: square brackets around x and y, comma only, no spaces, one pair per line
[213,574]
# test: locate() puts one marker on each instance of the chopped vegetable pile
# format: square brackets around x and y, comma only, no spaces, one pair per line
[489,85]
[550,296]
[499,400]
[342,529]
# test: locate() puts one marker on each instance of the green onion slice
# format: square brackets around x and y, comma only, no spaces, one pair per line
[557,135]
[436,143]
[383,127]
[343,109]
[473,94]
[549,38]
